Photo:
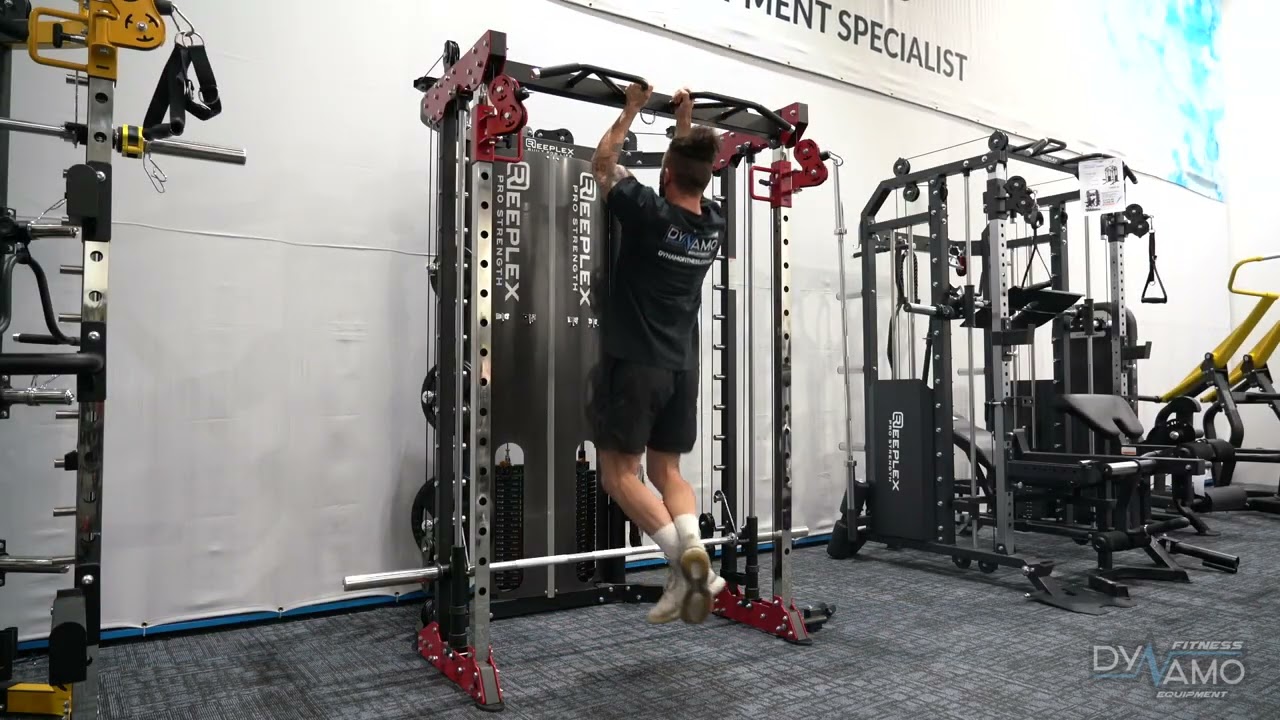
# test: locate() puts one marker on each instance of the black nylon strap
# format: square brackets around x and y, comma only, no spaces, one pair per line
[1153,276]
[176,95]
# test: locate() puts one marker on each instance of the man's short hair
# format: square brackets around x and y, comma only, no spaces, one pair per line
[689,160]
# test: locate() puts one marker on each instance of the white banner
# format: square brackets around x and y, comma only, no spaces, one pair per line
[1137,80]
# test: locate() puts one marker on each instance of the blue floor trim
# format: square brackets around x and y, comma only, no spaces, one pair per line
[256,618]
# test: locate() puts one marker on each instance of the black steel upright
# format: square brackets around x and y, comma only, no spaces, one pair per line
[448,336]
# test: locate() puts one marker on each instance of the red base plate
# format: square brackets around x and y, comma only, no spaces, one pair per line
[770,616]
[460,668]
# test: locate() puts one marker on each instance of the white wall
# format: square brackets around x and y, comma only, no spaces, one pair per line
[264,435]
[1249,155]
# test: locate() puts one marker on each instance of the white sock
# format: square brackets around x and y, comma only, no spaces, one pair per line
[669,540]
[687,528]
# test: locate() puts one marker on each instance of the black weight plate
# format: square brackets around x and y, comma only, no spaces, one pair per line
[423,508]
[430,389]
[433,275]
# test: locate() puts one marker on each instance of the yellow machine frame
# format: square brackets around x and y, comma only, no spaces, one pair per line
[1195,381]
[102,28]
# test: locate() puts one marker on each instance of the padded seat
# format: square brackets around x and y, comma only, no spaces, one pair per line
[1110,415]
[965,433]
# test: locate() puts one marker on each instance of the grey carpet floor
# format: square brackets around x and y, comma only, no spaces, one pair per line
[913,638]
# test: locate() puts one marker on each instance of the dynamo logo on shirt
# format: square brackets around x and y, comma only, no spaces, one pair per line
[691,242]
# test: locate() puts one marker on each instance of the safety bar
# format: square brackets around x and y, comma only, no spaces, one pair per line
[1231,281]
[734,106]
[353,583]
[34,396]
[50,363]
[175,148]
[40,566]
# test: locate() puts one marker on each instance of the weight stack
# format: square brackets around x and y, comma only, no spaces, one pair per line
[508,525]
[586,518]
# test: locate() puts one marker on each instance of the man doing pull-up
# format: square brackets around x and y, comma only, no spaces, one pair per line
[645,399]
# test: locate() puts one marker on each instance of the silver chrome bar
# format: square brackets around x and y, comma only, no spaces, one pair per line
[33,397]
[40,566]
[198,151]
[459,318]
[919,309]
[749,371]
[58,131]
[39,230]
[174,148]
[353,583]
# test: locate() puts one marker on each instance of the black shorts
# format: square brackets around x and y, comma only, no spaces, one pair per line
[632,407]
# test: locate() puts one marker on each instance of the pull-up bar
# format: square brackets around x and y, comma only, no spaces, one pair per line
[487,61]
[353,583]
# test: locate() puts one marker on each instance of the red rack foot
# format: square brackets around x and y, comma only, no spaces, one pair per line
[478,680]
[770,616]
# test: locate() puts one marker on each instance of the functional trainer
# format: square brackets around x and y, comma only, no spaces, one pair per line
[525,246]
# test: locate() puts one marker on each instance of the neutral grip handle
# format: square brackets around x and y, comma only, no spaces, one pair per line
[764,112]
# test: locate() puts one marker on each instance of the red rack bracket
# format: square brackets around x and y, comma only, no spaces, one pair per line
[769,616]
[474,69]
[785,181]
[506,116]
[813,171]
[734,145]
[462,669]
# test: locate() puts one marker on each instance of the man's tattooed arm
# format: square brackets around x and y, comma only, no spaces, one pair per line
[604,164]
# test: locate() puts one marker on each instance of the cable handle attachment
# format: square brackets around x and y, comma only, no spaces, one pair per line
[1153,273]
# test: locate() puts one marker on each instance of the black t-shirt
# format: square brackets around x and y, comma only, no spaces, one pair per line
[652,313]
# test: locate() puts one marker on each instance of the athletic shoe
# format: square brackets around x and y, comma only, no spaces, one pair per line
[670,606]
[697,574]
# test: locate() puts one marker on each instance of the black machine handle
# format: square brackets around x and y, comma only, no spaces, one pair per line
[19,235]
[178,96]
[734,106]
[32,339]
[6,290]
[1044,146]
[581,72]
[50,363]
[1128,173]
[1153,276]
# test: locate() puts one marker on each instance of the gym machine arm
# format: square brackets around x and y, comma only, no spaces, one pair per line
[1195,381]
